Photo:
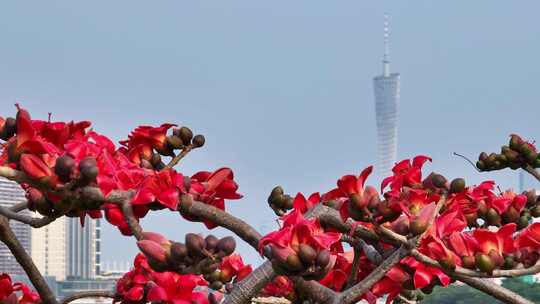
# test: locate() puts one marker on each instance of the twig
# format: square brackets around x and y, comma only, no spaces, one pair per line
[132,222]
[351,280]
[19,207]
[510,273]
[32,221]
[351,295]
[178,157]
[492,289]
[468,160]
[532,171]
[8,237]
[89,294]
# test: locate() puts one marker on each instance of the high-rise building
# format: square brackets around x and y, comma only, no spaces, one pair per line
[10,194]
[386,87]
[49,249]
[83,248]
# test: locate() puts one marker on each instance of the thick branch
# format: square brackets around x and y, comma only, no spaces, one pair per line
[492,289]
[316,291]
[247,288]
[221,218]
[331,217]
[8,237]
[89,294]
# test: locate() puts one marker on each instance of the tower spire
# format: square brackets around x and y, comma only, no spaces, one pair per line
[386,56]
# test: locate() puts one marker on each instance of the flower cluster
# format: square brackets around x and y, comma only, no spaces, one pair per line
[519,153]
[71,170]
[16,293]
[456,225]
[143,285]
[197,255]
[301,247]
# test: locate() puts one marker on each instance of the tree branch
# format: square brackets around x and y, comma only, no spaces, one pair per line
[89,294]
[178,157]
[29,220]
[351,295]
[19,207]
[253,283]
[351,280]
[131,220]
[532,171]
[492,289]
[221,218]
[7,236]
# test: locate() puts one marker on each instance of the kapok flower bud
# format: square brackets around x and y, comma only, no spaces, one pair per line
[293,263]
[64,167]
[198,141]
[152,250]
[185,134]
[484,263]
[457,185]
[8,129]
[174,142]
[227,245]
[88,169]
[195,244]
[307,254]
[447,263]
[323,258]
[469,262]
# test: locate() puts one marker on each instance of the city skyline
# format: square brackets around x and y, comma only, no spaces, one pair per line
[63,249]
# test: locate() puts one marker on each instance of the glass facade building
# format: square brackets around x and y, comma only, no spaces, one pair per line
[10,194]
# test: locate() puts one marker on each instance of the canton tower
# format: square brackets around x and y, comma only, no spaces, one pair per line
[386,88]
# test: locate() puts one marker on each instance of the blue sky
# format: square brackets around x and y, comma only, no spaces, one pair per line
[281,89]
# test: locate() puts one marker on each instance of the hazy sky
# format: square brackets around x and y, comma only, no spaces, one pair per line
[282,90]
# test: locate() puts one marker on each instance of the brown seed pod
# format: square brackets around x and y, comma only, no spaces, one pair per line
[293,263]
[211,242]
[216,285]
[439,181]
[194,244]
[9,129]
[307,254]
[64,167]
[227,245]
[323,258]
[185,134]
[178,252]
[88,169]
[457,185]
[174,142]
[198,141]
